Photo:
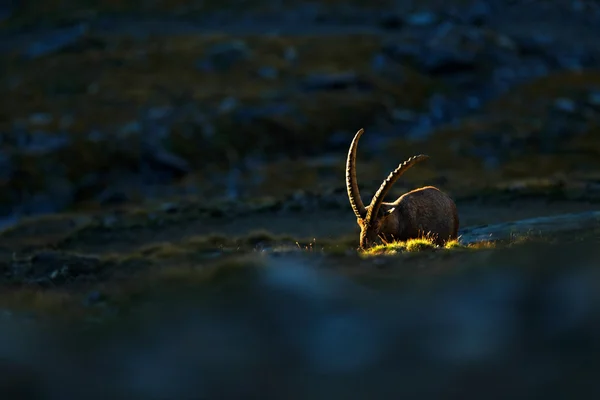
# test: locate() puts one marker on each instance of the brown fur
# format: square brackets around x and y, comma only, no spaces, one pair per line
[423,212]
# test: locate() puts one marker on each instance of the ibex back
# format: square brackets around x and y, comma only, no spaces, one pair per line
[423,212]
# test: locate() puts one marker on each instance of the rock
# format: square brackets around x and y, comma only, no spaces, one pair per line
[169,207]
[290,54]
[473,102]
[378,62]
[251,113]
[570,61]
[435,60]
[56,40]
[476,14]
[437,107]
[223,56]
[228,105]
[399,52]
[534,45]
[404,115]
[94,298]
[422,18]
[163,159]
[565,105]
[550,224]
[272,95]
[130,128]
[447,61]
[112,196]
[58,194]
[54,266]
[40,119]
[157,113]
[339,81]
[109,221]
[421,130]
[269,73]
[331,203]
[505,42]
[41,142]
[232,184]
[491,162]
[594,99]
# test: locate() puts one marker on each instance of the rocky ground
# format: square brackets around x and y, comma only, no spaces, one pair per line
[157,149]
[132,107]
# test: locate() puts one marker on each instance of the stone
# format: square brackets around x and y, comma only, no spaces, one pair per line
[40,119]
[594,99]
[378,62]
[565,105]
[290,54]
[93,298]
[130,128]
[56,40]
[228,104]
[556,223]
[447,61]
[422,18]
[223,56]
[164,159]
[339,81]
[41,142]
[435,60]
[269,73]
[169,207]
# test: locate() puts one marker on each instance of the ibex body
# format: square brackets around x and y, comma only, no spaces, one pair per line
[426,211]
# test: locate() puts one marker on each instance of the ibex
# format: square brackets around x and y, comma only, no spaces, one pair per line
[426,211]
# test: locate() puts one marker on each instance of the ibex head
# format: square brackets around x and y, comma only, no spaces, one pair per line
[378,218]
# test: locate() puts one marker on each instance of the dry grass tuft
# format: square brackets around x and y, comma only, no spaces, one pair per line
[425,244]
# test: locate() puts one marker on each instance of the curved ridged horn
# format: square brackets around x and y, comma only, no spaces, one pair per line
[389,182]
[351,185]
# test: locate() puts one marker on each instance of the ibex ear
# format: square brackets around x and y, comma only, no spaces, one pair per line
[390,211]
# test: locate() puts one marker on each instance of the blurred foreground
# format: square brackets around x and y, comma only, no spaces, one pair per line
[523,322]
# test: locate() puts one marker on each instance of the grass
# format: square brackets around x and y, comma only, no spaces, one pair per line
[420,245]
[119,296]
[168,70]
[202,247]
[162,73]
[515,239]
[107,87]
[186,268]
[392,248]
